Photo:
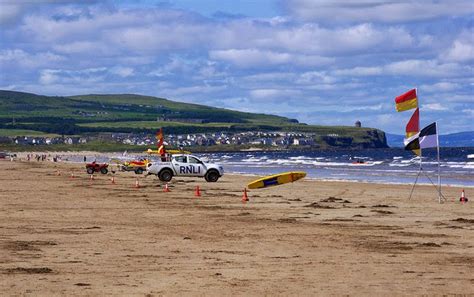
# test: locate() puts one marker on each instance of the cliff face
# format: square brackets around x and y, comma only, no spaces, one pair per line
[377,138]
[364,138]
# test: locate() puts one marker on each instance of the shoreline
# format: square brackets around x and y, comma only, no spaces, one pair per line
[309,179]
[22,155]
[255,175]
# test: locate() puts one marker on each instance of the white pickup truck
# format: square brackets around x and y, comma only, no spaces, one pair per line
[186,165]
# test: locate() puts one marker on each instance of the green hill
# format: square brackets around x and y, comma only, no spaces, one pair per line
[88,114]
[120,107]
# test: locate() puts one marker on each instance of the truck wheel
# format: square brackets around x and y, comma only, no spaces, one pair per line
[165,175]
[212,176]
[103,170]
[90,170]
[139,171]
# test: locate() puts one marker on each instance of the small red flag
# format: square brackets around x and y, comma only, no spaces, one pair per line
[414,122]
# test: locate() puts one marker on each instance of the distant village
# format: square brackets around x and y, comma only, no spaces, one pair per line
[276,139]
[256,138]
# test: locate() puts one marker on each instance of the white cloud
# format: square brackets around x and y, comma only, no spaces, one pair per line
[9,12]
[469,111]
[337,107]
[457,97]
[84,47]
[270,77]
[360,71]
[252,58]
[49,76]
[314,39]
[386,119]
[462,49]
[105,32]
[271,94]
[184,93]
[19,58]
[434,107]
[440,87]
[81,77]
[160,37]
[176,65]
[425,68]
[122,71]
[418,68]
[137,30]
[315,77]
[376,10]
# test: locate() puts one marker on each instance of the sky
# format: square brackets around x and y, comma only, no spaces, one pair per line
[320,61]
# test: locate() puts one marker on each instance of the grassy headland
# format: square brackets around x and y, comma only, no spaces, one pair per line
[25,114]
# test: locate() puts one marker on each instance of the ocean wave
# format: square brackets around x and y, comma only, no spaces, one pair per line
[361,158]
[300,158]
[399,165]
[470,165]
[370,163]
[464,165]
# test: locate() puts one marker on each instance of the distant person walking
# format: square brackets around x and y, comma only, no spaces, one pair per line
[85,159]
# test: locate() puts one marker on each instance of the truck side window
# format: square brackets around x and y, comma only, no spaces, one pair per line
[181,159]
[193,160]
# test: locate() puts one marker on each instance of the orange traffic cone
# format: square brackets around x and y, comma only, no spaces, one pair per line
[137,184]
[166,189]
[197,193]
[463,198]
[245,198]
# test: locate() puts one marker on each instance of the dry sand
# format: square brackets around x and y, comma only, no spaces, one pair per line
[73,236]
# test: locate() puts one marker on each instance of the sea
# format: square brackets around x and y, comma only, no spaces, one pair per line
[387,166]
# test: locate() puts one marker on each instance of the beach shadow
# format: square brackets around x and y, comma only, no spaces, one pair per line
[317,205]
[23,270]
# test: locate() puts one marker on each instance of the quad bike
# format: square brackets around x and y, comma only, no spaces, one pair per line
[93,167]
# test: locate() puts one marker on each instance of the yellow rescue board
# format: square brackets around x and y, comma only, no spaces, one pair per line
[277,179]
[155,152]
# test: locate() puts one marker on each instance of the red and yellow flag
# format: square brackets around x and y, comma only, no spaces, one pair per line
[159,142]
[159,137]
[407,101]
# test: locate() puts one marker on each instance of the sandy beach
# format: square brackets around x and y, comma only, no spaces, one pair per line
[75,236]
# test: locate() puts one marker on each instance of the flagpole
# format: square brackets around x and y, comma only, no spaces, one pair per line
[439,166]
[418,104]
[421,159]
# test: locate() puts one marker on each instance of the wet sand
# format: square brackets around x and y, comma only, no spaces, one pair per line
[75,236]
